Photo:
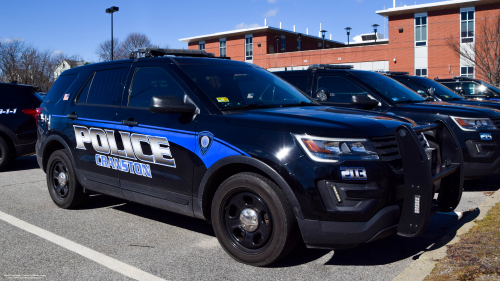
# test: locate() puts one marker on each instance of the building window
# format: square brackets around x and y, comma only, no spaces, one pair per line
[201,45]
[421,31]
[421,72]
[467,26]
[248,47]
[283,44]
[467,71]
[222,47]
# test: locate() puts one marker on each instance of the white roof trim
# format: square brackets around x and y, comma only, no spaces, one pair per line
[432,6]
[250,31]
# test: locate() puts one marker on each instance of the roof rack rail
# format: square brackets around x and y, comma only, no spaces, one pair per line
[392,72]
[460,77]
[329,66]
[159,52]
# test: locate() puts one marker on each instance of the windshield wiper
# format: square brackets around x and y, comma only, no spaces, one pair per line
[252,105]
[410,101]
[300,103]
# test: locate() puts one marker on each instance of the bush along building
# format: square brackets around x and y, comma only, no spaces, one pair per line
[433,40]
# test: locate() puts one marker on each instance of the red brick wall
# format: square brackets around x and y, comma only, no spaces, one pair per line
[443,26]
[401,47]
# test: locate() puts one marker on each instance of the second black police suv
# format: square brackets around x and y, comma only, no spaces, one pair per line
[475,127]
[230,143]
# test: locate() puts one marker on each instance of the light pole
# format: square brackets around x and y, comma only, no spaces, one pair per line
[323,32]
[111,11]
[375,30]
[348,29]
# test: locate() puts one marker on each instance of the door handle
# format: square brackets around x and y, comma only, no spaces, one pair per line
[130,123]
[72,115]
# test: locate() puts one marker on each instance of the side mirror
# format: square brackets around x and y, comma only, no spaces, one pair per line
[422,93]
[431,91]
[364,102]
[170,104]
[322,95]
[461,92]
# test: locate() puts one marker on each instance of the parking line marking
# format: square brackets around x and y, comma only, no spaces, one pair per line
[95,256]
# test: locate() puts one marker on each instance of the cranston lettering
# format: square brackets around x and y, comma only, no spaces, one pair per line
[104,142]
[123,165]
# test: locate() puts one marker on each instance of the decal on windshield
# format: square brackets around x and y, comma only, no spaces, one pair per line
[222,99]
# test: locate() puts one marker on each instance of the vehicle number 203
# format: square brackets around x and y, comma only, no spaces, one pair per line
[353,173]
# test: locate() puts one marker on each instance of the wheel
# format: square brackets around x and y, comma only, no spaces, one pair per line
[64,188]
[5,154]
[253,220]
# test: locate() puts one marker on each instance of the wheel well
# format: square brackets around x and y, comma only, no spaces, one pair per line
[49,149]
[9,142]
[220,176]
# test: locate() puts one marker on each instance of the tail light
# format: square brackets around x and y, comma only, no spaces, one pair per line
[33,112]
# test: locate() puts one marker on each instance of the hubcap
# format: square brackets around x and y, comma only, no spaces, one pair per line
[249,220]
[62,179]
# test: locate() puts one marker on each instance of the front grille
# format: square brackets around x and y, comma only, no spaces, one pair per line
[496,120]
[387,149]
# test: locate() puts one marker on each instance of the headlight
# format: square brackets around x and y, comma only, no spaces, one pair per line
[322,149]
[474,124]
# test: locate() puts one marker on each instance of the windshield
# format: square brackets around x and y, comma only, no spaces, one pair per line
[388,87]
[232,86]
[440,91]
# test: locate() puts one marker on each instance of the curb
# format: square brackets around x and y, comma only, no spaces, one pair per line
[422,267]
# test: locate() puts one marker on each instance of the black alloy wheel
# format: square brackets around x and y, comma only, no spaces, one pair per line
[248,221]
[64,188]
[253,220]
[60,179]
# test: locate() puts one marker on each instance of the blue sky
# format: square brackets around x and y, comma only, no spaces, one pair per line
[77,27]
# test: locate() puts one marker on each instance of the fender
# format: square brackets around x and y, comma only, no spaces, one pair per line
[59,139]
[240,159]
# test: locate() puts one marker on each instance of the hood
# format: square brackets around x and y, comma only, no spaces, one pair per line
[482,103]
[319,121]
[452,109]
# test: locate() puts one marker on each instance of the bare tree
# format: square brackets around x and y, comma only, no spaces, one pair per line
[484,53]
[103,51]
[24,63]
[133,41]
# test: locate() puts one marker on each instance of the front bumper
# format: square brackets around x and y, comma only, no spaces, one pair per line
[410,216]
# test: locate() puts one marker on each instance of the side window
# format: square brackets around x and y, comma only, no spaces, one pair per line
[149,82]
[105,87]
[298,81]
[60,87]
[341,89]
[471,88]
[451,85]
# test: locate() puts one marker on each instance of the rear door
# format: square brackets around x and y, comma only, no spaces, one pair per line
[162,171]
[91,126]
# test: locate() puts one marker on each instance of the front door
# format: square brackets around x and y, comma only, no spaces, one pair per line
[163,144]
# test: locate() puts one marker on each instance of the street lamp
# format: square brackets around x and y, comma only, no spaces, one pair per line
[111,11]
[323,32]
[348,29]
[375,30]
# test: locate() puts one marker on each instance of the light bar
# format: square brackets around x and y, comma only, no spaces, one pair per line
[330,66]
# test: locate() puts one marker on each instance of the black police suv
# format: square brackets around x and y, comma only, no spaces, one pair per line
[476,128]
[18,109]
[233,144]
[471,88]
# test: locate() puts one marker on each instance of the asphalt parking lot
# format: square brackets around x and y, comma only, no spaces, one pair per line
[144,240]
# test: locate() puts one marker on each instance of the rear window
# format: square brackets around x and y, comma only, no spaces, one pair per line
[60,87]
[10,94]
[105,87]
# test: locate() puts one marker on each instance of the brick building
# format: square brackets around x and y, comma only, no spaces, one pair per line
[417,42]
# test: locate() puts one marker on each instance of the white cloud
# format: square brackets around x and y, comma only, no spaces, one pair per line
[271,1]
[9,40]
[245,26]
[57,52]
[271,13]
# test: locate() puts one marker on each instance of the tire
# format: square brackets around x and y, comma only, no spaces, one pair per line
[276,232]
[65,190]
[5,154]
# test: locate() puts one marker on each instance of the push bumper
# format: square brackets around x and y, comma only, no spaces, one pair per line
[422,181]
